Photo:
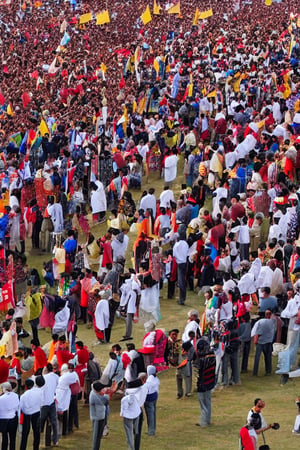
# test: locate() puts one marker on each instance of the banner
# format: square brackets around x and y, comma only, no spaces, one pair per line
[146,16]
[102,18]
[206,14]
[6,297]
[84,18]
[196,17]
[156,9]
[175,9]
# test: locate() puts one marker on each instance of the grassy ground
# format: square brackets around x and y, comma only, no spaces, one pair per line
[176,418]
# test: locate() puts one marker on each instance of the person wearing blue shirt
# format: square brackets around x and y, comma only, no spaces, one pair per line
[70,245]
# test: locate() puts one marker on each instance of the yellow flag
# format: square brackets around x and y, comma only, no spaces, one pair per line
[43,129]
[156,66]
[156,8]
[292,43]
[206,14]
[212,94]
[146,16]
[268,2]
[204,91]
[9,110]
[103,67]
[196,17]
[84,18]
[102,18]
[175,9]
[191,86]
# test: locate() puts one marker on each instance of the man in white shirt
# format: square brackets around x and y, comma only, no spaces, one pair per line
[170,167]
[180,253]
[149,202]
[48,408]
[9,406]
[142,149]
[131,404]
[166,197]
[30,406]
[119,245]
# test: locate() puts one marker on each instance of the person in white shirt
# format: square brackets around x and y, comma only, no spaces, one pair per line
[180,253]
[61,320]
[170,167]
[149,202]
[192,325]
[130,289]
[131,404]
[244,239]
[152,384]
[30,406]
[48,408]
[109,370]
[63,391]
[276,111]
[9,406]
[287,359]
[119,245]
[166,197]
[143,149]
[102,317]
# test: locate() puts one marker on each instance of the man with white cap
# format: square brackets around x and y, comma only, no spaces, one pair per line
[9,406]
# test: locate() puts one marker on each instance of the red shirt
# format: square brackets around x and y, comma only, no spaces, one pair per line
[63,357]
[83,355]
[237,211]
[246,439]
[40,359]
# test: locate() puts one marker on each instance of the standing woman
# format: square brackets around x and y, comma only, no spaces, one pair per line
[98,201]
[152,384]
[33,302]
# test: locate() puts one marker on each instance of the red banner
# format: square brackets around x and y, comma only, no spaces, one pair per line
[6,297]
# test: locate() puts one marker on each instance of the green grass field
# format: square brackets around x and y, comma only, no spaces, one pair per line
[176,418]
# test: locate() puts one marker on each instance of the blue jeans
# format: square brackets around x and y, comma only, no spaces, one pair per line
[205,405]
[267,351]
[98,427]
[49,411]
[150,408]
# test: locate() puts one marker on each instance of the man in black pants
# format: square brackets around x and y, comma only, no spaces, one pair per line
[9,407]
[30,406]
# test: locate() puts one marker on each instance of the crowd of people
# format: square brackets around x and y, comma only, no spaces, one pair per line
[88,113]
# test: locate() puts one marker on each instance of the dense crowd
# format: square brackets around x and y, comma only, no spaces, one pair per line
[87,113]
